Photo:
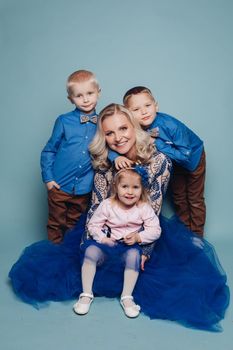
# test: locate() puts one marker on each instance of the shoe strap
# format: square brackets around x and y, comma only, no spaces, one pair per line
[137,307]
[88,295]
[126,297]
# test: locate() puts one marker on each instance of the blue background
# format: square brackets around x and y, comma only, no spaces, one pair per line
[182,50]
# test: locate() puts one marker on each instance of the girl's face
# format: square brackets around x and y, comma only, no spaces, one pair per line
[129,190]
[119,133]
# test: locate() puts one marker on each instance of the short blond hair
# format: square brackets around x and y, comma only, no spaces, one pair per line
[80,76]
[99,149]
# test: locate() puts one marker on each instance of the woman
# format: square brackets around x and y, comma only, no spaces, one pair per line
[120,132]
[183,279]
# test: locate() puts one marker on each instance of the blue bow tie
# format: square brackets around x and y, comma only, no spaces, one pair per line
[86,118]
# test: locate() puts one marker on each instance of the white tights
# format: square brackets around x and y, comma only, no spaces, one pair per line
[94,256]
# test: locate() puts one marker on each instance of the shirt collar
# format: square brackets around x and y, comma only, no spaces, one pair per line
[78,113]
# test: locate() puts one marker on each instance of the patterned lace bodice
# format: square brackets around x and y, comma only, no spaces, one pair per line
[158,174]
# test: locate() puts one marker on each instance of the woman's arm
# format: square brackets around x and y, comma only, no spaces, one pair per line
[101,189]
[151,227]
[158,178]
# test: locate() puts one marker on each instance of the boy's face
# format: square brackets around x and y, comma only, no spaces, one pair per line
[85,96]
[143,108]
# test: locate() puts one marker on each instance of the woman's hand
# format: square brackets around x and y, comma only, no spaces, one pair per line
[108,241]
[144,259]
[132,238]
[52,184]
[123,162]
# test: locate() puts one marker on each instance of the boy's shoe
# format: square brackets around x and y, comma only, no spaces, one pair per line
[83,308]
[130,311]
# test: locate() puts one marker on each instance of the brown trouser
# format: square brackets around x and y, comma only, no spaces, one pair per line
[188,195]
[64,211]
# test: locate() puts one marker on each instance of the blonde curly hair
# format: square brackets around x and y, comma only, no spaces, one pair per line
[99,148]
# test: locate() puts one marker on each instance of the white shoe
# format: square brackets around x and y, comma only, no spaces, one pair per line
[83,308]
[130,311]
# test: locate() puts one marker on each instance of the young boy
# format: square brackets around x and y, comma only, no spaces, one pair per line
[183,146]
[65,160]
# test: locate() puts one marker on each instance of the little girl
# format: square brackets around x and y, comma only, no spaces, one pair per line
[131,222]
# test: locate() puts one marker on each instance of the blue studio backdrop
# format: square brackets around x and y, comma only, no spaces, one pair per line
[182,50]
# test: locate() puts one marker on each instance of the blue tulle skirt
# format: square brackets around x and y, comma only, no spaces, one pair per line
[183,281]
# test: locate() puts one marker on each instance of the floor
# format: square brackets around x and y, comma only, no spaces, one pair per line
[105,327]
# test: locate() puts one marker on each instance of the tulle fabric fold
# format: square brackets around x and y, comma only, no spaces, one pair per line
[183,281]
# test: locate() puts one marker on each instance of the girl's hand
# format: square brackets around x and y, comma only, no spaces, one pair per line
[123,162]
[52,184]
[108,241]
[132,238]
[144,259]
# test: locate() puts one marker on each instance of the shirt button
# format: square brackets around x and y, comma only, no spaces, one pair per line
[76,178]
[80,166]
[86,137]
[83,152]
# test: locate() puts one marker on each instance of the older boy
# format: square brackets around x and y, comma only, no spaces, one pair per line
[65,160]
[183,146]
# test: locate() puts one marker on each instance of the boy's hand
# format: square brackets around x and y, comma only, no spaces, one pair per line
[152,140]
[132,238]
[144,258]
[123,162]
[108,241]
[52,184]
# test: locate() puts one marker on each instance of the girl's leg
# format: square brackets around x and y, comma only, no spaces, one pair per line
[132,264]
[93,255]
[130,279]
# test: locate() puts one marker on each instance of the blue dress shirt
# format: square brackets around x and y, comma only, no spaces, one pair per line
[66,158]
[177,141]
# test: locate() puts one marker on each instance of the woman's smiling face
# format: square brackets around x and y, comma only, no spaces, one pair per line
[119,133]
